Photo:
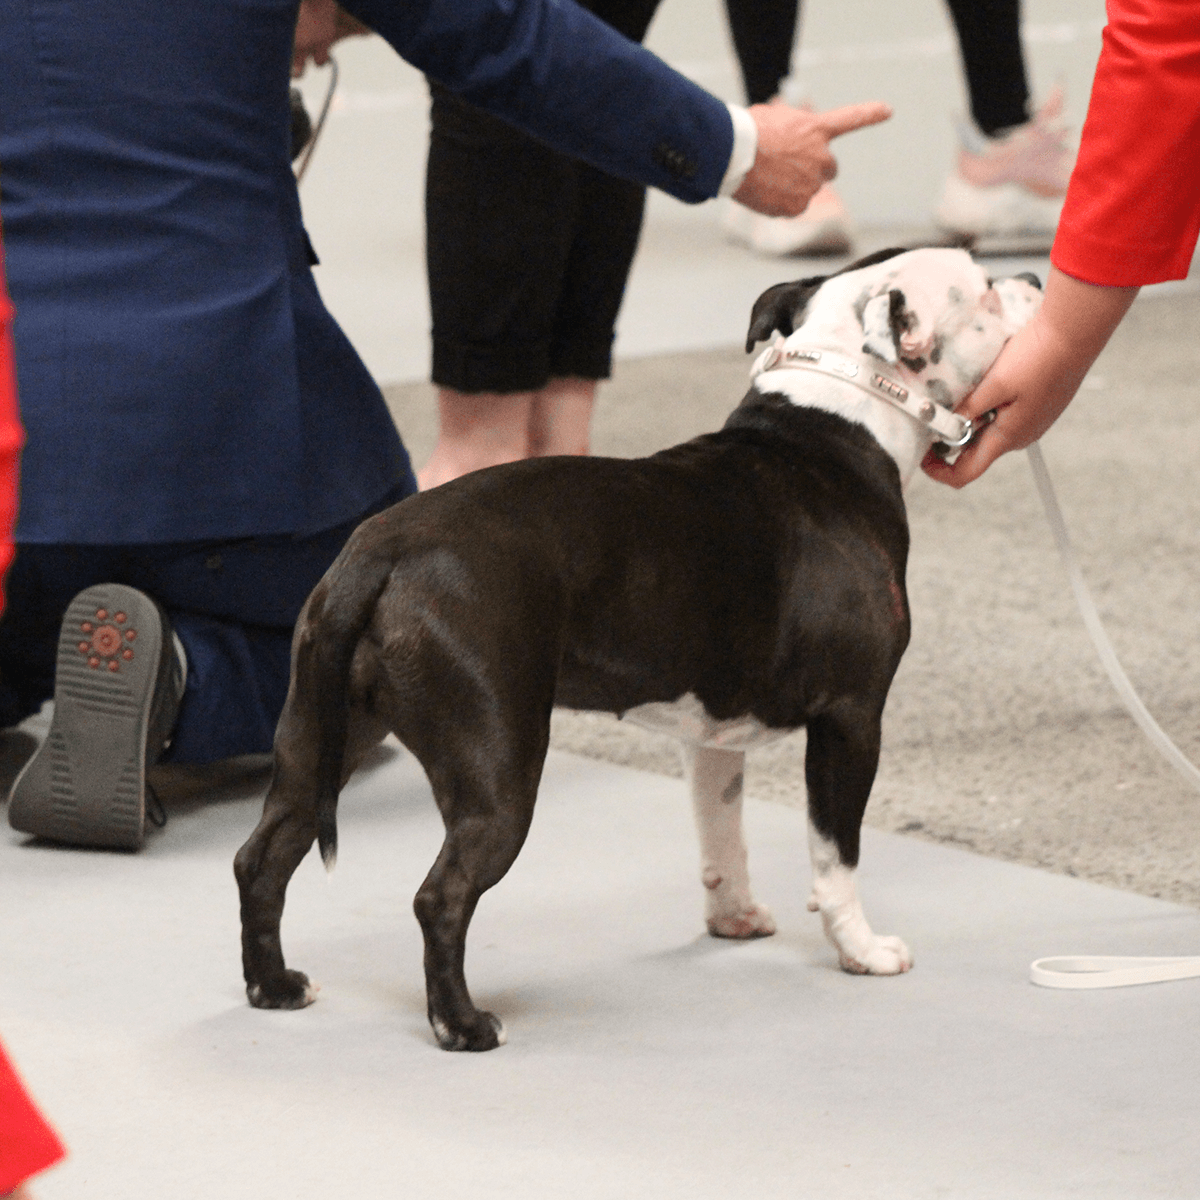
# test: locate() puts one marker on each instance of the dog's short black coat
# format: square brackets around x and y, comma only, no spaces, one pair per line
[760,568]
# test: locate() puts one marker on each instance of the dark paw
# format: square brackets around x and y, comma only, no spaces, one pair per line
[289,990]
[486,1032]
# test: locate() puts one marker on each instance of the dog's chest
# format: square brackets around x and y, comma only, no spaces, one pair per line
[688,720]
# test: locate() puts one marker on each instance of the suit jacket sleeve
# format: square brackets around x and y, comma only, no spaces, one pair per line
[1132,212]
[561,74]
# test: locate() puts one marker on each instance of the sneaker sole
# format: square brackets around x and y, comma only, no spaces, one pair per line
[86,784]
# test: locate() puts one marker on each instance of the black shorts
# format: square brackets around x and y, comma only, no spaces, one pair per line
[527,253]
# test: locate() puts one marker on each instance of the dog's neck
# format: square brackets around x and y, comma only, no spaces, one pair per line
[900,436]
[789,369]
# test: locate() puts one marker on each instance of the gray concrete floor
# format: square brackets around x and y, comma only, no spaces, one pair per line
[644,1058]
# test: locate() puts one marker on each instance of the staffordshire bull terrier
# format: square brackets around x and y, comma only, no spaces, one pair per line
[729,590]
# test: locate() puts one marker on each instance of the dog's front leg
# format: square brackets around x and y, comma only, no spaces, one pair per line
[840,763]
[716,778]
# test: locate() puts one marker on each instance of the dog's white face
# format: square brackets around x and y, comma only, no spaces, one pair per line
[934,315]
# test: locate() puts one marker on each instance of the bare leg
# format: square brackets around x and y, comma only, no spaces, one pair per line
[716,781]
[477,429]
[560,419]
[481,429]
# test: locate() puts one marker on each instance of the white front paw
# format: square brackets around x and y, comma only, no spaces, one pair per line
[879,956]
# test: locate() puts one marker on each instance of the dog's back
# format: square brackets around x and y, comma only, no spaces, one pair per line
[645,579]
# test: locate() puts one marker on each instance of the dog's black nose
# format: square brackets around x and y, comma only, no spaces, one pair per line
[1030,277]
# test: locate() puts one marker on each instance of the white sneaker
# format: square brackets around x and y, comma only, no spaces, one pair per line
[1011,186]
[823,228]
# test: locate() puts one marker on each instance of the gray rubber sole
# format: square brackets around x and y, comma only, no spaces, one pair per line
[86,784]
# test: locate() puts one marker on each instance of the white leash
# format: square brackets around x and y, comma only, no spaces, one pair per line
[1092,971]
[1109,971]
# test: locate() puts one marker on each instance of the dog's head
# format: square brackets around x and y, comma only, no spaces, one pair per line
[933,314]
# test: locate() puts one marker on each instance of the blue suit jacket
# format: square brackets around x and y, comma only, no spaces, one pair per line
[180,378]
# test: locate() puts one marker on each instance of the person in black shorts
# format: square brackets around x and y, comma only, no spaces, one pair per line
[527,253]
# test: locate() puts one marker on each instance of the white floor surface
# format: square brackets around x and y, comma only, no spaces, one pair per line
[644,1058]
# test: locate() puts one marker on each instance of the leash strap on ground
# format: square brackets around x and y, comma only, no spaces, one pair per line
[1107,971]
[1092,971]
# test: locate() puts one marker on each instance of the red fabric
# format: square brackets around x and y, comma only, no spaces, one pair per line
[1132,212]
[27,1144]
[11,437]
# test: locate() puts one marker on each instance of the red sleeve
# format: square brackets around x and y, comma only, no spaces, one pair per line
[1132,212]
[27,1144]
[10,433]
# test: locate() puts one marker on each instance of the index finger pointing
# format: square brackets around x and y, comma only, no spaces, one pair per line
[837,121]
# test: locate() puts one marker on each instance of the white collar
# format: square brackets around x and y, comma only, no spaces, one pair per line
[949,428]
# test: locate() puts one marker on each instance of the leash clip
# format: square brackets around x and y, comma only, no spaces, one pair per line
[948,450]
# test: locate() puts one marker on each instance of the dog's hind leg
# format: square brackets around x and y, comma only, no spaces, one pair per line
[716,779]
[284,835]
[487,809]
[840,764]
[263,867]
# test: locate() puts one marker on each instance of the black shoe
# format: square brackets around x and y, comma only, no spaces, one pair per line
[118,681]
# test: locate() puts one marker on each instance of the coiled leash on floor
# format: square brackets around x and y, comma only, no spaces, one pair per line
[1104,971]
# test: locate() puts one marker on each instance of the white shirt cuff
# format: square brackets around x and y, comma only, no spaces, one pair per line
[745,150]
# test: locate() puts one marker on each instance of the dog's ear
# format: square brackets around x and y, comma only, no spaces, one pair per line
[781,308]
[894,328]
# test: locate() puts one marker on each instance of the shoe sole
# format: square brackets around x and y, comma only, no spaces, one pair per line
[86,784]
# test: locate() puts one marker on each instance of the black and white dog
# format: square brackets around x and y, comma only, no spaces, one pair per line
[728,590]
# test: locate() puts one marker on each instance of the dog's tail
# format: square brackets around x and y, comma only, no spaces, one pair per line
[336,615]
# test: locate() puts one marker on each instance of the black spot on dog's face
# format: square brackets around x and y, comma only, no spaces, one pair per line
[900,317]
[914,364]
